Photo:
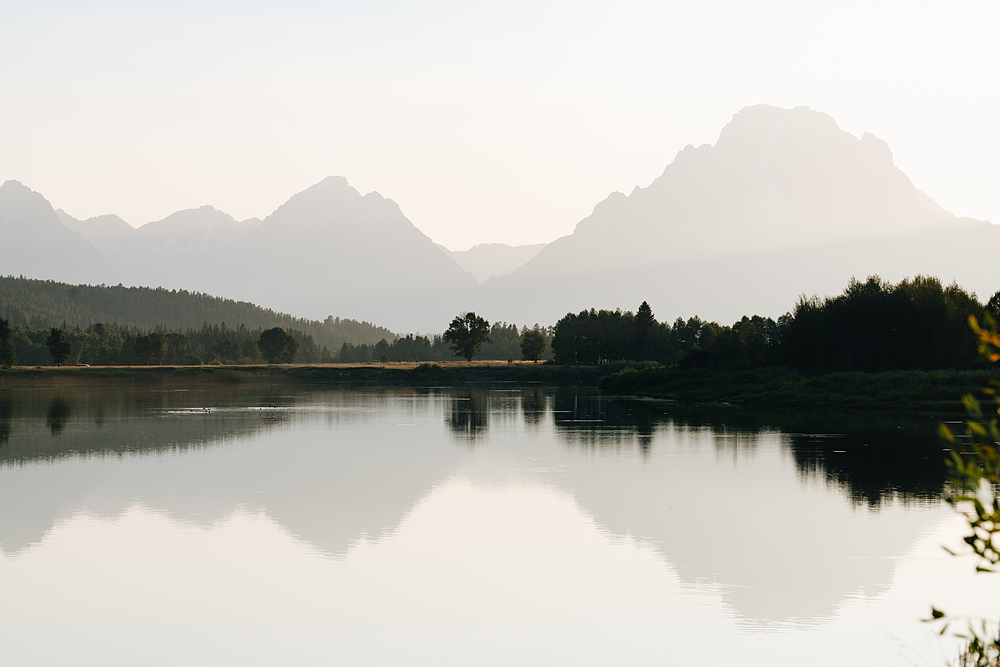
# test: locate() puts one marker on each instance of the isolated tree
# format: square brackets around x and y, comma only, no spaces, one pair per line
[466,334]
[277,346]
[532,343]
[59,347]
[8,353]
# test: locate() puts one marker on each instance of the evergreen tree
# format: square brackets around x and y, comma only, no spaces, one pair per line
[8,353]
[59,347]
[644,322]
[993,307]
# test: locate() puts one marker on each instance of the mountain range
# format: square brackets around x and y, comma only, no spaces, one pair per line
[784,203]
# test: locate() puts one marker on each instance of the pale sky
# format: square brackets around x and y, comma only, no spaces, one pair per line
[500,122]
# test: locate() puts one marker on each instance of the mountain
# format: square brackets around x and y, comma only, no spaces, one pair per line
[330,249]
[108,233]
[784,203]
[188,232]
[36,244]
[492,259]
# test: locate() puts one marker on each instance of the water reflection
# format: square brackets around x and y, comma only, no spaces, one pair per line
[468,414]
[534,404]
[59,412]
[871,459]
[725,497]
[6,415]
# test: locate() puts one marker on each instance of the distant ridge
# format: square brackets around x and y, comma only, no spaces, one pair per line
[486,260]
[43,303]
[784,203]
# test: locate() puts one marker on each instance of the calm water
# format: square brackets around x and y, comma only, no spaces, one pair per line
[279,525]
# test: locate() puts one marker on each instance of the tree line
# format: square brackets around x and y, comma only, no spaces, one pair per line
[872,326]
[43,304]
[115,345]
[502,342]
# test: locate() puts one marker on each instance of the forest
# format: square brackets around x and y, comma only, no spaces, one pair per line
[917,324]
[42,304]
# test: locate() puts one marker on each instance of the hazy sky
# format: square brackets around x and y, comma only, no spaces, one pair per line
[499,122]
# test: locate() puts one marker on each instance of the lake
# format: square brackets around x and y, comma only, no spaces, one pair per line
[264,525]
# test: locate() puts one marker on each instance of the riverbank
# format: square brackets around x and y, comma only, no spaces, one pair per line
[390,374]
[767,388]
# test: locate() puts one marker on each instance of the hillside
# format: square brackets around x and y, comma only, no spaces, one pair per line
[45,304]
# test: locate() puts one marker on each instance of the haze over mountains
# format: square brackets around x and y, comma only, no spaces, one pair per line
[328,250]
[487,260]
[784,203]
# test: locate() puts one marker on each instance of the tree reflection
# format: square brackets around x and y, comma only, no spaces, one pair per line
[874,467]
[873,459]
[58,414]
[6,419]
[468,414]
[533,405]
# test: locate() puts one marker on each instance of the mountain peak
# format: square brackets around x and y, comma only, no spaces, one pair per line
[12,191]
[25,206]
[334,182]
[14,186]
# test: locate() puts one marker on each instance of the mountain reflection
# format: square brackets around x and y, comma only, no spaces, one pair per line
[334,465]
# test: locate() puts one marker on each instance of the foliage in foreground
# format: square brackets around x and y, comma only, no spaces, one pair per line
[975,460]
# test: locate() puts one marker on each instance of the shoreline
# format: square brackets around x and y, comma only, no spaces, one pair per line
[389,374]
[929,392]
[767,388]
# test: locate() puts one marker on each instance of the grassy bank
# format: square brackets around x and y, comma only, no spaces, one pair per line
[401,374]
[767,388]
[781,388]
